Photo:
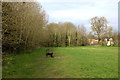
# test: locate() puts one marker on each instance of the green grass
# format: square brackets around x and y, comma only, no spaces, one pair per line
[71,62]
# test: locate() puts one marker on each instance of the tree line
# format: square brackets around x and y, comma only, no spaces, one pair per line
[65,34]
[25,27]
[22,25]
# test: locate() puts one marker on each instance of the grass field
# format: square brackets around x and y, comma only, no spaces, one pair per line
[69,62]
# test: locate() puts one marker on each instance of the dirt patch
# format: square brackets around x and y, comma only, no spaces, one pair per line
[88,48]
[40,58]
[59,57]
[94,45]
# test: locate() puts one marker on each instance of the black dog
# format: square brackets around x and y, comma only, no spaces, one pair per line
[49,53]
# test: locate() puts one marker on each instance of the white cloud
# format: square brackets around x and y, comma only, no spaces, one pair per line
[80,11]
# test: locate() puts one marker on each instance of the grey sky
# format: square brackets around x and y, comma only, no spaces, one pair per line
[80,11]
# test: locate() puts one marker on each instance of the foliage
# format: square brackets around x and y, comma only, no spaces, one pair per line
[98,25]
[22,23]
[65,34]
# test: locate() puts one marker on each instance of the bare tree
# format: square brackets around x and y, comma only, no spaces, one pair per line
[98,26]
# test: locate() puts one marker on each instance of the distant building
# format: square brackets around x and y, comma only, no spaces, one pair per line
[110,42]
[106,42]
[93,41]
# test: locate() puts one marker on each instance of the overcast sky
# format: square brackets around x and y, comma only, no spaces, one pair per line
[81,11]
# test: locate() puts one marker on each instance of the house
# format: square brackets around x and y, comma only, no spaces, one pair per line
[94,41]
[106,42]
[110,42]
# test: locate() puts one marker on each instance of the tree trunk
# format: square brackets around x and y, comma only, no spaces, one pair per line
[98,38]
[69,41]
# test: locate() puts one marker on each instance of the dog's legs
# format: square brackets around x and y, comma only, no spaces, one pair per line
[52,55]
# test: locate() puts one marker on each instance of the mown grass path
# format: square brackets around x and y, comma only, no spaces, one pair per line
[69,62]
